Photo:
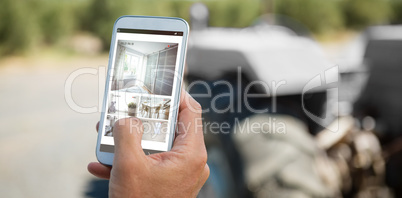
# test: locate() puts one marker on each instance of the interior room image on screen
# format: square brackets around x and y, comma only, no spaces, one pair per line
[125,104]
[144,67]
[153,130]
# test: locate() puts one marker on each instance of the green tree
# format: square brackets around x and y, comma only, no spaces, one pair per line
[396,6]
[18,30]
[362,13]
[233,13]
[319,16]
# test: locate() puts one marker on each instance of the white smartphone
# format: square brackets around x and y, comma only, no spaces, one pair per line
[146,64]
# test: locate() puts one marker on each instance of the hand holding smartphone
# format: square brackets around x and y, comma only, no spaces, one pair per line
[181,172]
[146,64]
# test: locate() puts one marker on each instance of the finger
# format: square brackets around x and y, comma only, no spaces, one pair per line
[189,127]
[188,102]
[97,127]
[99,170]
[127,135]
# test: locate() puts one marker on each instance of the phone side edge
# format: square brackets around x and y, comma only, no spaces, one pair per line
[103,157]
[179,83]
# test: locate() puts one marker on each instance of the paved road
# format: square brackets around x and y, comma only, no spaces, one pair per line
[44,145]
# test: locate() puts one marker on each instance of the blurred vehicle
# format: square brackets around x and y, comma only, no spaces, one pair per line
[293,81]
[378,107]
[239,57]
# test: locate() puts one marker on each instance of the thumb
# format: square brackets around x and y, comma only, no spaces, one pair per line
[127,135]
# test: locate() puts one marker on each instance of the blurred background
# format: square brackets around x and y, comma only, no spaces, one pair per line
[45,146]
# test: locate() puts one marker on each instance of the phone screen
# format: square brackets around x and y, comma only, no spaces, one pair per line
[143,81]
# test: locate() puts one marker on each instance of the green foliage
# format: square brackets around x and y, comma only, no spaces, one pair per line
[318,16]
[103,13]
[25,24]
[361,13]
[233,13]
[56,20]
[17,31]
[396,6]
[132,105]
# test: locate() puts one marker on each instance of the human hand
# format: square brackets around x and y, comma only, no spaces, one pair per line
[180,172]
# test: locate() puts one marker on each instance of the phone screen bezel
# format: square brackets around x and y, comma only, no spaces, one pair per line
[144,23]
